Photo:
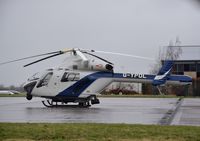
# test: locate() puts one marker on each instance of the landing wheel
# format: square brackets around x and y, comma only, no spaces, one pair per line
[95,101]
[84,104]
[29,97]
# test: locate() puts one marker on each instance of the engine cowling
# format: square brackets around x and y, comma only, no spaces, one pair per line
[100,66]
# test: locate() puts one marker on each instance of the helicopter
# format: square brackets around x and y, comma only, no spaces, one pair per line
[81,78]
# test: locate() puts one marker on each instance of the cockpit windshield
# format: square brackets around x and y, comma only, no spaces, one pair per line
[35,76]
[45,80]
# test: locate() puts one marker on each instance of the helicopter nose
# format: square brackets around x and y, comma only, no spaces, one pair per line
[29,87]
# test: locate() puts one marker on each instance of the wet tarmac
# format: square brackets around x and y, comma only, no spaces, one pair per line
[164,111]
[188,113]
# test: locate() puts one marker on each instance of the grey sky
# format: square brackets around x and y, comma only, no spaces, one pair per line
[138,27]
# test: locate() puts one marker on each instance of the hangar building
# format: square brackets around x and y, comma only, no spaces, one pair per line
[191,68]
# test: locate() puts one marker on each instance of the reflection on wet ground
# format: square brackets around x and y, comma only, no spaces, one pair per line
[110,110]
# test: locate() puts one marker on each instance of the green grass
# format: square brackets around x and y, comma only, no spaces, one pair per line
[13,95]
[96,132]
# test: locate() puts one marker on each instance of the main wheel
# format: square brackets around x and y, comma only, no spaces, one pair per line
[84,104]
[95,101]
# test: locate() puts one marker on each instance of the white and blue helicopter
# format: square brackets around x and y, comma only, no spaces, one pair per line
[84,75]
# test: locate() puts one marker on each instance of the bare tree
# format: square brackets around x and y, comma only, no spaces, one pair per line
[171,52]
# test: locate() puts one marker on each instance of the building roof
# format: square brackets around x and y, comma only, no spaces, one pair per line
[187,61]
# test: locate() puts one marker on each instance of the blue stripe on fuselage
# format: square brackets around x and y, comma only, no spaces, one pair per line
[77,88]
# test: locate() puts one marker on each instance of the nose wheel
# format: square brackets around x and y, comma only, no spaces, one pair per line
[29,97]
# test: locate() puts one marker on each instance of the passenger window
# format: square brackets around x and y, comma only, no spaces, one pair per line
[45,80]
[70,77]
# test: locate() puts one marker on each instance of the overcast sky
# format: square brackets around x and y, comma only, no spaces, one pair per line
[138,27]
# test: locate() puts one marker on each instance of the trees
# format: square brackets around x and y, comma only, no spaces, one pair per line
[12,87]
[170,52]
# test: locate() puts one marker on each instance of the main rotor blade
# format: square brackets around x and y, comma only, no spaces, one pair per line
[43,59]
[34,56]
[98,57]
[122,54]
[58,53]
[55,53]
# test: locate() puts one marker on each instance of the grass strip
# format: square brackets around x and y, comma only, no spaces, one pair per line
[13,95]
[96,132]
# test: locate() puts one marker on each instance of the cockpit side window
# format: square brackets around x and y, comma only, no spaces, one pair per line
[45,80]
[70,77]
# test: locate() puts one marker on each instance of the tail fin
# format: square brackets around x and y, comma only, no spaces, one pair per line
[163,74]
